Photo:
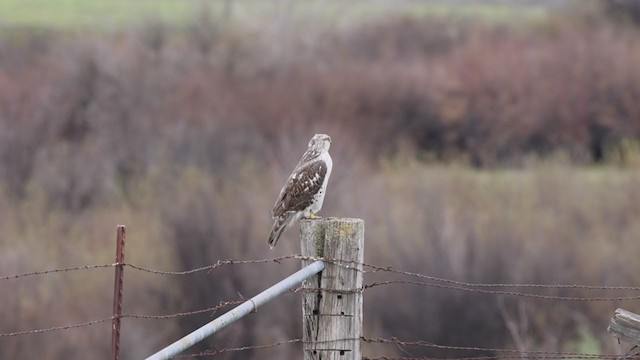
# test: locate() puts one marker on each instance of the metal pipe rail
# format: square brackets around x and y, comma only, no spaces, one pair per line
[238,312]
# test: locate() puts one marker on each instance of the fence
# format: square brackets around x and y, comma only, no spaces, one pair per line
[311,292]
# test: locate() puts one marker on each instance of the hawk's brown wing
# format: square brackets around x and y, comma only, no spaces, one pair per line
[302,185]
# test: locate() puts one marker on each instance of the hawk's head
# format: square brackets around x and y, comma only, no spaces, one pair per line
[320,143]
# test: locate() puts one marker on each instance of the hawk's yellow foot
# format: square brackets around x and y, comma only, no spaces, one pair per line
[313,217]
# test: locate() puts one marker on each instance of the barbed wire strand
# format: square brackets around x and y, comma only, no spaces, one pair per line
[219,263]
[505,353]
[526,354]
[422,343]
[52,271]
[212,310]
[390,269]
[514,285]
[462,286]
[350,264]
[56,328]
[214,351]
[500,292]
[451,287]
[214,266]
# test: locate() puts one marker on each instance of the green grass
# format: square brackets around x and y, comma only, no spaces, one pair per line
[484,12]
[90,13]
[108,14]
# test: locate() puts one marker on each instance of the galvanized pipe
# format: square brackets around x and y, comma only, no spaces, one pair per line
[238,312]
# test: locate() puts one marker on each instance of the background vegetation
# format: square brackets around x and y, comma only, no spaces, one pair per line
[501,148]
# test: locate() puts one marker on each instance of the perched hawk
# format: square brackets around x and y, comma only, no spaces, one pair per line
[303,194]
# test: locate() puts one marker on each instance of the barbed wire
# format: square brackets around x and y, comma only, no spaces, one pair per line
[511,353]
[436,283]
[390,269]
[56,328]
[212,310]
[500,292]
[503,353]
[513,285]
[377,268]
[214,266]
[214,351]
[481,291]
[52,271]
[520,353]
[345,263]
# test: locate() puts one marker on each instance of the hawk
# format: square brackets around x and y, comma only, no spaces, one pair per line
[303,194]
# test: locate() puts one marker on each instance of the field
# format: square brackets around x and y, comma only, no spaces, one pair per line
[110,15]
[487,151]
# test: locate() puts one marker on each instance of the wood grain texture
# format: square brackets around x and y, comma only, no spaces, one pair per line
[331,310]
[625,326]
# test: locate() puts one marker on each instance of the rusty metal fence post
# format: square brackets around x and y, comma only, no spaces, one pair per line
[117,293]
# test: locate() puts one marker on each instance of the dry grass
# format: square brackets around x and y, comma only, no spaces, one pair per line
[546,224]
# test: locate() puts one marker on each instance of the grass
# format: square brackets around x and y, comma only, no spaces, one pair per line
[109,14]
[91,13]
[486,12]
[529,225]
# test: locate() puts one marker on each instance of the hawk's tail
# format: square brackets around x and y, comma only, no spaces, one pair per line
[279,226]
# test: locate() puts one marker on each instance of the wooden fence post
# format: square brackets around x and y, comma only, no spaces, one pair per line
[625,326]
[332,299]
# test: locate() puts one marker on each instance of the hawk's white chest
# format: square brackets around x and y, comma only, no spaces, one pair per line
[318,198]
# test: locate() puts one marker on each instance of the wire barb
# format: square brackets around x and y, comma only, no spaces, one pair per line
[502,292]
[212,310]
[56,328]
[52,271]
[244,348]
[212,267]
[507,353]
[430,281]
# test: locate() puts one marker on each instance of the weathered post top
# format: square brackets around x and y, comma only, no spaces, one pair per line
[332,300]
[318,232]
[625,326]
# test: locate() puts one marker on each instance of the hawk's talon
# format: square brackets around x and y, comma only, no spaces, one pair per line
[313,217]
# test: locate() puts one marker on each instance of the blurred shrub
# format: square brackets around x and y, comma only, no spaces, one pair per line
[533,226]
[625,9]
[490,95]
[189,133]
